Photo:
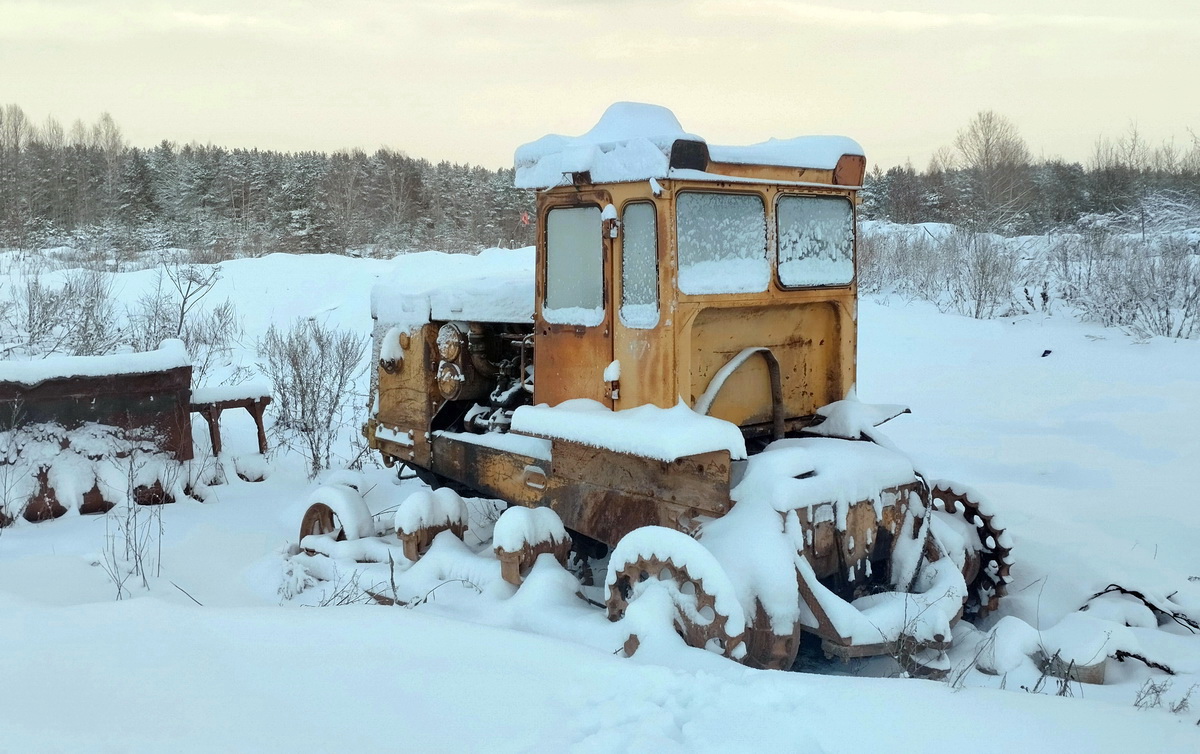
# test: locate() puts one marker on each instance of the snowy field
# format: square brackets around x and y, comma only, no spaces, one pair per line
[1082,437]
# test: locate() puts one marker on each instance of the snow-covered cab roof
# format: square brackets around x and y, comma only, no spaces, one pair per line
[637,142]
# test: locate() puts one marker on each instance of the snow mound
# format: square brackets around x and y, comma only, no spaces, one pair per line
[852,420]
[666,434]
[821,152]
[348,506]
[631,142]
[495,285]
[519,526]
[89,459]
[251,390]
[824,475]
[427,508]
[811,471]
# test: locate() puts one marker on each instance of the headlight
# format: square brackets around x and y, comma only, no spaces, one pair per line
[450,342]
[449,380]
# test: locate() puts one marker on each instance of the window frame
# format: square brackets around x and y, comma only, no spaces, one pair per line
[853,239]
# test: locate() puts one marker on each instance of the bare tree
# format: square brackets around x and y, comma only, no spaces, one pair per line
[996,157]
[106,134]
[209,333]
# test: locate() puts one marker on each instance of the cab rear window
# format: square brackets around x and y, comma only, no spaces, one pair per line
[816,240]
[722,242]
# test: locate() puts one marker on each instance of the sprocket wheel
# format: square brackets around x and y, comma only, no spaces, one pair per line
[698,623]
[988,569]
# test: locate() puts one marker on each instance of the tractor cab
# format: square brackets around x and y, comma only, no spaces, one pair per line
[669,269]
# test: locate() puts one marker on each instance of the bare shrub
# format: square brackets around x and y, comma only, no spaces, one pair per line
[312,369]
[1078,263]
[870,256]
[1164,287]
[76,318]
[1150,695]
[14,473]
[905,261]
[982,274]
[170,311]
[1183,703]
[133,530]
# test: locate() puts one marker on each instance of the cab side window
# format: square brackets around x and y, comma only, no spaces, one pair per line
[639,266]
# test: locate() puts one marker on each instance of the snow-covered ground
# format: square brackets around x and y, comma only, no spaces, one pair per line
[1083,438]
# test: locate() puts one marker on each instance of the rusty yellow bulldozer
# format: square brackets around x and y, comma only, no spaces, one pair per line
[674,381]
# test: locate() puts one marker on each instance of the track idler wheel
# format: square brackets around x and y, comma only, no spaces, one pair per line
[522,535]
[336,510]
[318,520]
[988,569]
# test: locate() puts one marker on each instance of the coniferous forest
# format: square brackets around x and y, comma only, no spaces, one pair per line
[85,187]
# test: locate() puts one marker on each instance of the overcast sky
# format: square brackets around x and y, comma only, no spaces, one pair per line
[469,81]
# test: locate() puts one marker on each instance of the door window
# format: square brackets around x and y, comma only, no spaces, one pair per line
[574,267]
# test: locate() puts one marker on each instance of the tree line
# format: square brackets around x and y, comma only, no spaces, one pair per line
[988,180]
[87,188]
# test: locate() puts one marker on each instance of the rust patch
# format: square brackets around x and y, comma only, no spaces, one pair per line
[44,504]
[154,402]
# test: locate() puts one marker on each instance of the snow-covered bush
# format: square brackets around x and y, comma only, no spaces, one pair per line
[1165,287]
[1151,286]
[312,369]
[902,259]
[970,272]
[1112,274]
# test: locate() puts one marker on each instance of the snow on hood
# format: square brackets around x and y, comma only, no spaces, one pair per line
[495,285]
[632,142]
[666,434]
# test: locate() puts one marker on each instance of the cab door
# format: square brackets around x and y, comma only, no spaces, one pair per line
[573,323]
